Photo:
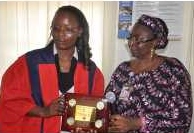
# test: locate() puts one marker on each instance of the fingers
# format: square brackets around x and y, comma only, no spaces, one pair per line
[113,129]
[116,117]
[119,124]
[81,130]
[57,107]
[60,105]
[116,129]
[114,120]
[61,99]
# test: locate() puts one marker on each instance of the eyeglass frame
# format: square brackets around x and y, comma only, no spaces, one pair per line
[139,41]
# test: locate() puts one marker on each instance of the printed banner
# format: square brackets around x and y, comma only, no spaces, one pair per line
[125,18]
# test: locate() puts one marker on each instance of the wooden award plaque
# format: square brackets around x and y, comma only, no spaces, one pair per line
[84,112]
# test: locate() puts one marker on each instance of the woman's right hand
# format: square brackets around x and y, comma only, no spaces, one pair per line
[55,108]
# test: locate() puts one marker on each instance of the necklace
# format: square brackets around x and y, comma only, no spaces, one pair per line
[62,69]
[64,66]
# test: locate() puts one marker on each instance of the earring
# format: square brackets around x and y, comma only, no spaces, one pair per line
[152,52]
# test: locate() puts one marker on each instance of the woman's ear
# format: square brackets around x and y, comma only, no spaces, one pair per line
[155,42]
[80,32]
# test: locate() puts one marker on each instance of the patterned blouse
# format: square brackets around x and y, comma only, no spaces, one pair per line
[162,97]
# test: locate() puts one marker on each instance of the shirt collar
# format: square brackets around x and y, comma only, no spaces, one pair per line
[55,51]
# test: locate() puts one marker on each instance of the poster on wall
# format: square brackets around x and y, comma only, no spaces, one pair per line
[125,19]
[170,11]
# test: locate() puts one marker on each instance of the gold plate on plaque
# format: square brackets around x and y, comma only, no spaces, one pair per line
[85,112]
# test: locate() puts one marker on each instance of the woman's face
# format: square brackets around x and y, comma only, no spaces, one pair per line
[141,41]
[65,30]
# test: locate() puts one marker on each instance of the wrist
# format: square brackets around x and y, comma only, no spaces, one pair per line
[38,112]
[138,123]
[44,112]
[135,123]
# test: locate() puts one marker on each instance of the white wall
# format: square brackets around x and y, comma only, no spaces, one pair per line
[110,39]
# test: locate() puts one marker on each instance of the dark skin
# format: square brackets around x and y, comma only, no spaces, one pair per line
[140,45]
[65,30]
[142,51]
[120,124]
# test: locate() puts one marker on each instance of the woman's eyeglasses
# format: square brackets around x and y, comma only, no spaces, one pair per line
[133,39]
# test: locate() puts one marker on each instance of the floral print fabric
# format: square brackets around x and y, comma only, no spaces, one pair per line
[162,97]
[158,27]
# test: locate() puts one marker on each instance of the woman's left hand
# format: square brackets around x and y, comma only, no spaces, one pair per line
[80,130]
[120,124]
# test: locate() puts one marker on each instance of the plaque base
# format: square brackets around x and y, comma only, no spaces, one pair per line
[85,112]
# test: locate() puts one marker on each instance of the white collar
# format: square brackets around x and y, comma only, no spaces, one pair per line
[55,51]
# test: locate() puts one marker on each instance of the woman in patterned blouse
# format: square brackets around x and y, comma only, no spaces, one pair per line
[152,92]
